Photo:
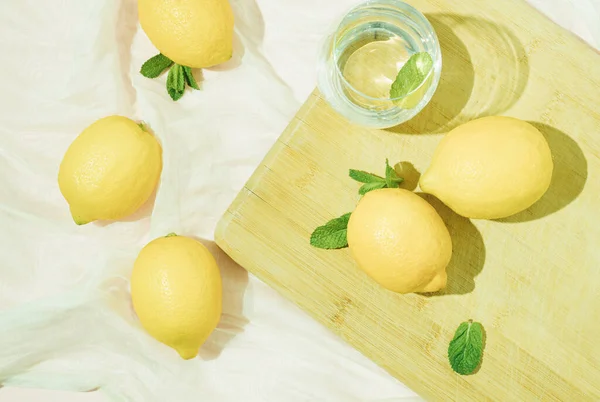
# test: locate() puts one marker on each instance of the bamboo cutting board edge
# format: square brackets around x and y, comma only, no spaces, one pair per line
[266,211]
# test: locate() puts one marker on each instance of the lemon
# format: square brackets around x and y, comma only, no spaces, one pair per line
[490,168]
[177,292]
[399,240]
[109,170]
[192,33]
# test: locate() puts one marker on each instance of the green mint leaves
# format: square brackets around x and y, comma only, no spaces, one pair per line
[410,77]
[179,76]
[373,182]
[332,235]
[365,177]
[365,188]
[189,78]
[154,66]
[466,348]
[392,180]
[176,82]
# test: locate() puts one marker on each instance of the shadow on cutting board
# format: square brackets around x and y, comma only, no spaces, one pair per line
[468,250]
[568,177]
[235,281]
[484,72]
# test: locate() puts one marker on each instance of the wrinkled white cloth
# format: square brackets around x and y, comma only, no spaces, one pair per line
[65,316]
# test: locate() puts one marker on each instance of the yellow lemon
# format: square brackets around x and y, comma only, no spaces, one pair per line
[399,240]
[490,168]
[177,292]
[109,170]
[192,33]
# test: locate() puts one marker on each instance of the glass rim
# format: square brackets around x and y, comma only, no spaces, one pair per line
[335,42]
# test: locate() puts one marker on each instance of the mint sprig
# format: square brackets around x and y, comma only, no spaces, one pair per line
[365,188]
[179,76]
[365,177]
[466,348]
[333,234]
[392,180]
[373,182]
[176,82]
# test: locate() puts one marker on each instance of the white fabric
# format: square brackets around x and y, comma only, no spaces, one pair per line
[65,318]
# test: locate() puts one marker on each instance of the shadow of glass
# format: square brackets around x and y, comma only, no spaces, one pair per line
[484,72]
[235,281]
[468,250]
[568,177]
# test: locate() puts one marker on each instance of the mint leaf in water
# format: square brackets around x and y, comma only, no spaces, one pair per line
[333,234]
[392,179]
[154,66]
[466,348]
[365,177]
[412,74]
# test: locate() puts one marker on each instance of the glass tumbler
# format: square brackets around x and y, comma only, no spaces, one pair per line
[362,56]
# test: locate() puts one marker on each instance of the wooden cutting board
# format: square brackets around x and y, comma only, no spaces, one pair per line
[532,280]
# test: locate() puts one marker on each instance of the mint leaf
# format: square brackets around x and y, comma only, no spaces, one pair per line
[412,74]
[392,179]
[365,188]
[365,177]
[466,348]
[180,74]
[176,82]
[154,66]
[332,235]
[189,78]
[374,182]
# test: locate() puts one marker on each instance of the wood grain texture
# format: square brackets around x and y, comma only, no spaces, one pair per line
[532,280]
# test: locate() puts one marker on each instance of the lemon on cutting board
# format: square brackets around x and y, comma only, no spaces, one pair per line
[176,291]
[109,170]
[490,168]
[192,33]
[399,240]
